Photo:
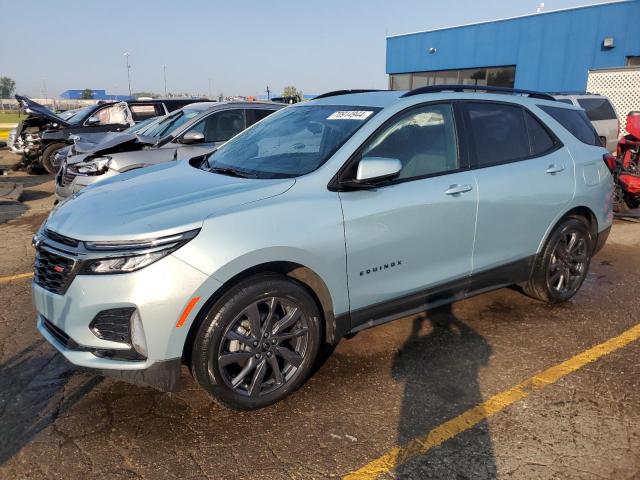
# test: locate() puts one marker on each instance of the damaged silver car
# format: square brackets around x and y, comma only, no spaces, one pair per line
[194,130]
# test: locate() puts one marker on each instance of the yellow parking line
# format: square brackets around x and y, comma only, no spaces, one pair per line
[8,278]
[419,446]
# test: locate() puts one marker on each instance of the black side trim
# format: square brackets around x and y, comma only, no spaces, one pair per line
[601,240]
[493,279]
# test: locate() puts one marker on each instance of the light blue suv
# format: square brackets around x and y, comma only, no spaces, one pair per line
[323,219]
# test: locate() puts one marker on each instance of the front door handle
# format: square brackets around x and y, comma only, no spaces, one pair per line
[457,189]
[551,169]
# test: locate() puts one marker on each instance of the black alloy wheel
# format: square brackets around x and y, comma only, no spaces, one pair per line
[258,343]
[562,266]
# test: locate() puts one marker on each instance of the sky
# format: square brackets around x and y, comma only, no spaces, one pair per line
[210,47]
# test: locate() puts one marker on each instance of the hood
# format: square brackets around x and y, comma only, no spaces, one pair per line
[35,110]
[156,201]
[118,142]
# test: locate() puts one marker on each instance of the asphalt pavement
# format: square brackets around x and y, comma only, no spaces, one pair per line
[459,393]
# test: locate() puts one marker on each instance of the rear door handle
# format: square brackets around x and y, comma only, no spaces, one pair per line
[554,169]
[457,189]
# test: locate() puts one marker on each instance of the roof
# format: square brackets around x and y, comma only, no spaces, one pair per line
[550,12]
[201,106]
[387,98]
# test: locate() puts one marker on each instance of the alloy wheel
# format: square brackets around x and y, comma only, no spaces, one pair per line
[263,348]
[568,263]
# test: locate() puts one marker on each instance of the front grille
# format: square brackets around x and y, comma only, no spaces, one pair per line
[52,272]
[61,238]
[113,324]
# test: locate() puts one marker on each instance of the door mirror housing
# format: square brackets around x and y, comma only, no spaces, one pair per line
[93,120]
[192,137]
[374,169]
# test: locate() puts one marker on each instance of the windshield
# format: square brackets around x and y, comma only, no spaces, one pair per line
[79,115]
[141,127]
[289,143]
[169,123]
[67,114]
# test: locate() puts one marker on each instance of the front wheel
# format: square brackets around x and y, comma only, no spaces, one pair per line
[562,266]
[47,157]
[258,343]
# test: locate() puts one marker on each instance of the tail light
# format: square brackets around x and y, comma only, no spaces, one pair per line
[611,161]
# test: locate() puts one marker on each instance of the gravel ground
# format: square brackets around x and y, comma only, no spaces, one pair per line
[380,389]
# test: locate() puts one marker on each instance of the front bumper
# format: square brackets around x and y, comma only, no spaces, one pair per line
[159,294]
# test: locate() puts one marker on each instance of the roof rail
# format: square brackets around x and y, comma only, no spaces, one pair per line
[346,92]
[477,88]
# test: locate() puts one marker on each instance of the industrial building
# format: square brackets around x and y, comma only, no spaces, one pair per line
[549,51]
[97,95]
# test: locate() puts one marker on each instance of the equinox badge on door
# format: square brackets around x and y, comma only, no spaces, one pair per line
[379,268]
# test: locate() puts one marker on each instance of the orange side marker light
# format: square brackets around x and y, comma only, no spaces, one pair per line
[187,311]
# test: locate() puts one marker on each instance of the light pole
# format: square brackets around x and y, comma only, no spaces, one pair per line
[164,74]
[210,92]
[126,54]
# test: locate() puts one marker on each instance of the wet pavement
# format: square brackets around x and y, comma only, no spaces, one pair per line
[380,389]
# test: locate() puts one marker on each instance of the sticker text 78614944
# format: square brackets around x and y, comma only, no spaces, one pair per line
[350,115]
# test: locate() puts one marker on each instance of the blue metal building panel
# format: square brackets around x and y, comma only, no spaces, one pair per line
[551,51]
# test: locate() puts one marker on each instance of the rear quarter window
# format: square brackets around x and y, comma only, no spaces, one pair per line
[575,121]
[598,108]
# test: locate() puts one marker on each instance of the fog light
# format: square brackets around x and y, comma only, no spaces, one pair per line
[138,339]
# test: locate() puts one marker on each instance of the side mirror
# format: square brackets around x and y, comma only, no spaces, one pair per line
[372,169]
[93,120]
[192,137]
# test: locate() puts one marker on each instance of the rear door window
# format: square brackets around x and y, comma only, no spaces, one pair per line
[576,122]
[141,112]
[498,133]
[598,108]
[256,114]
[539,138]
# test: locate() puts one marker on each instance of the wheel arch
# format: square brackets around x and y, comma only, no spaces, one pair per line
[304,275]
[577,211]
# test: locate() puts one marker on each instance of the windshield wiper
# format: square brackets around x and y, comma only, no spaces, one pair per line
[232,172]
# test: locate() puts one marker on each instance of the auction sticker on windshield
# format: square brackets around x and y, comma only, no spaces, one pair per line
[350,115]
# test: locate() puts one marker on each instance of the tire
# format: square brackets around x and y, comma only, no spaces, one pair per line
[239,368]
[46,160]
[562,265]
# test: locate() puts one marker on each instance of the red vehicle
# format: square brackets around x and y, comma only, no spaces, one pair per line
[626,167]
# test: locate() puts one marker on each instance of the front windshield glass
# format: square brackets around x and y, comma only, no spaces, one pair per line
[80,114]
[68,113]
[169,123]
[141,127]
[289,143]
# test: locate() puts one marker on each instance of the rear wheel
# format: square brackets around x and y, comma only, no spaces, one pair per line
[562,266]
[258,343]
[47,157]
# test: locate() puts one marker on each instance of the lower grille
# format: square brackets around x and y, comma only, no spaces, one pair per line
[113,325]
[52,272]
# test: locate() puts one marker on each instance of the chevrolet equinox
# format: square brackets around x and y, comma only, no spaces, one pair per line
[323,219]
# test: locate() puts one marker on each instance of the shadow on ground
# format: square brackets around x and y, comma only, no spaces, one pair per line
[36,386]
[439,365]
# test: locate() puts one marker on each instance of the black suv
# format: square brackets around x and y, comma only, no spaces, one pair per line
[43,132]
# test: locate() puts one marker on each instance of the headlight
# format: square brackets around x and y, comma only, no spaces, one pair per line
[129,256]
[93,166]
